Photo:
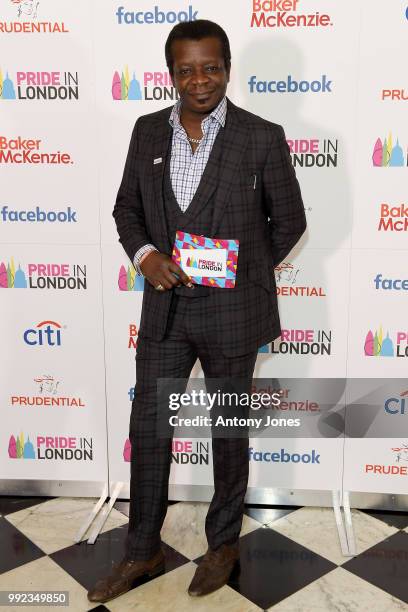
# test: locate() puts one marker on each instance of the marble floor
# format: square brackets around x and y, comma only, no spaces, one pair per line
[290,559]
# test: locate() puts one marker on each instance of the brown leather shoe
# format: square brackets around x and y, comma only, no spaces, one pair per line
[214,570]
[123,574]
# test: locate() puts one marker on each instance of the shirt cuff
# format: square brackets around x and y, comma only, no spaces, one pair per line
[139,255]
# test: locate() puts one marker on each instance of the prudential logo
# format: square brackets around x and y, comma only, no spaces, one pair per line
[154,16]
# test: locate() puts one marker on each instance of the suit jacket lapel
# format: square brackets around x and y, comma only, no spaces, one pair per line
[234,143]
[160,147]
[207,185]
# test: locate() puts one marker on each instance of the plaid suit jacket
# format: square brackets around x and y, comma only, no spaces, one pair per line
[257,200]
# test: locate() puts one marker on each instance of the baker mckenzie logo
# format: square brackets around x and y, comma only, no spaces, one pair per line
[132,340]
[154,16]
[48,394]
[301,342]
[46,447]
[27,13]
[42,276]
[285,14]
[393,218]
[387,154]
[376,345]
[46,333]
[149,85]
[290,85]
[22,150]
[314,152]
[288,282]
[40,86]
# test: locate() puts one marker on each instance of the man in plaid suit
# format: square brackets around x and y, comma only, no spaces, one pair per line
[207,167]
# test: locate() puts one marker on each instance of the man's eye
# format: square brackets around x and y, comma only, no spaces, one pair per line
[184,71]
[212,68]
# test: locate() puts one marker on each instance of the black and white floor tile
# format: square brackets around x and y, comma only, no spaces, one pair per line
[290,558]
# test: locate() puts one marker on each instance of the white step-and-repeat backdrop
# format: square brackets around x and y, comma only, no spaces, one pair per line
[74,77]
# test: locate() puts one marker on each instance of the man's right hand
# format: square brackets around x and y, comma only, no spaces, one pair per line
[159,269]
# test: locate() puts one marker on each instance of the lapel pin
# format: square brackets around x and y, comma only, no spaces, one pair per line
[158,160]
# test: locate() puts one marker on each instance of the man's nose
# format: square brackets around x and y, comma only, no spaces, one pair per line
[199,77]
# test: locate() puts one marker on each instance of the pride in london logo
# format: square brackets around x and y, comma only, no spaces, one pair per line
[388,155]
[191,262]
[376,345]
[40,85]
[19,448]
[153,85]
[124,88]
[66,448]
[12,278]
[7,90]
[42,276]
[129,280]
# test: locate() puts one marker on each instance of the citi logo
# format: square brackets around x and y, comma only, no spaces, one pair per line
[290,85]
[397,405]
[46,333]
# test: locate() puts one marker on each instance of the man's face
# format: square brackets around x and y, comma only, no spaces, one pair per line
[199,73]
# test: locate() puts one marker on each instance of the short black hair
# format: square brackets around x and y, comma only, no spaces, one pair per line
[196,30]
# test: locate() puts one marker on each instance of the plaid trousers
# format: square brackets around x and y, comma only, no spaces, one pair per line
[190,334]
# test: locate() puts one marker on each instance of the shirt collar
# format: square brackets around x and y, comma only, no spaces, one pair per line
[219,114]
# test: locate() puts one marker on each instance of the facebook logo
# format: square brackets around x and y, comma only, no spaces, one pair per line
[290,85]
[38,215]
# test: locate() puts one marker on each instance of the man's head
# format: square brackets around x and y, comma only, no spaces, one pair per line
[198,57]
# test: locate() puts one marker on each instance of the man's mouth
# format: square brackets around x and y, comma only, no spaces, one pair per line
[200,95]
